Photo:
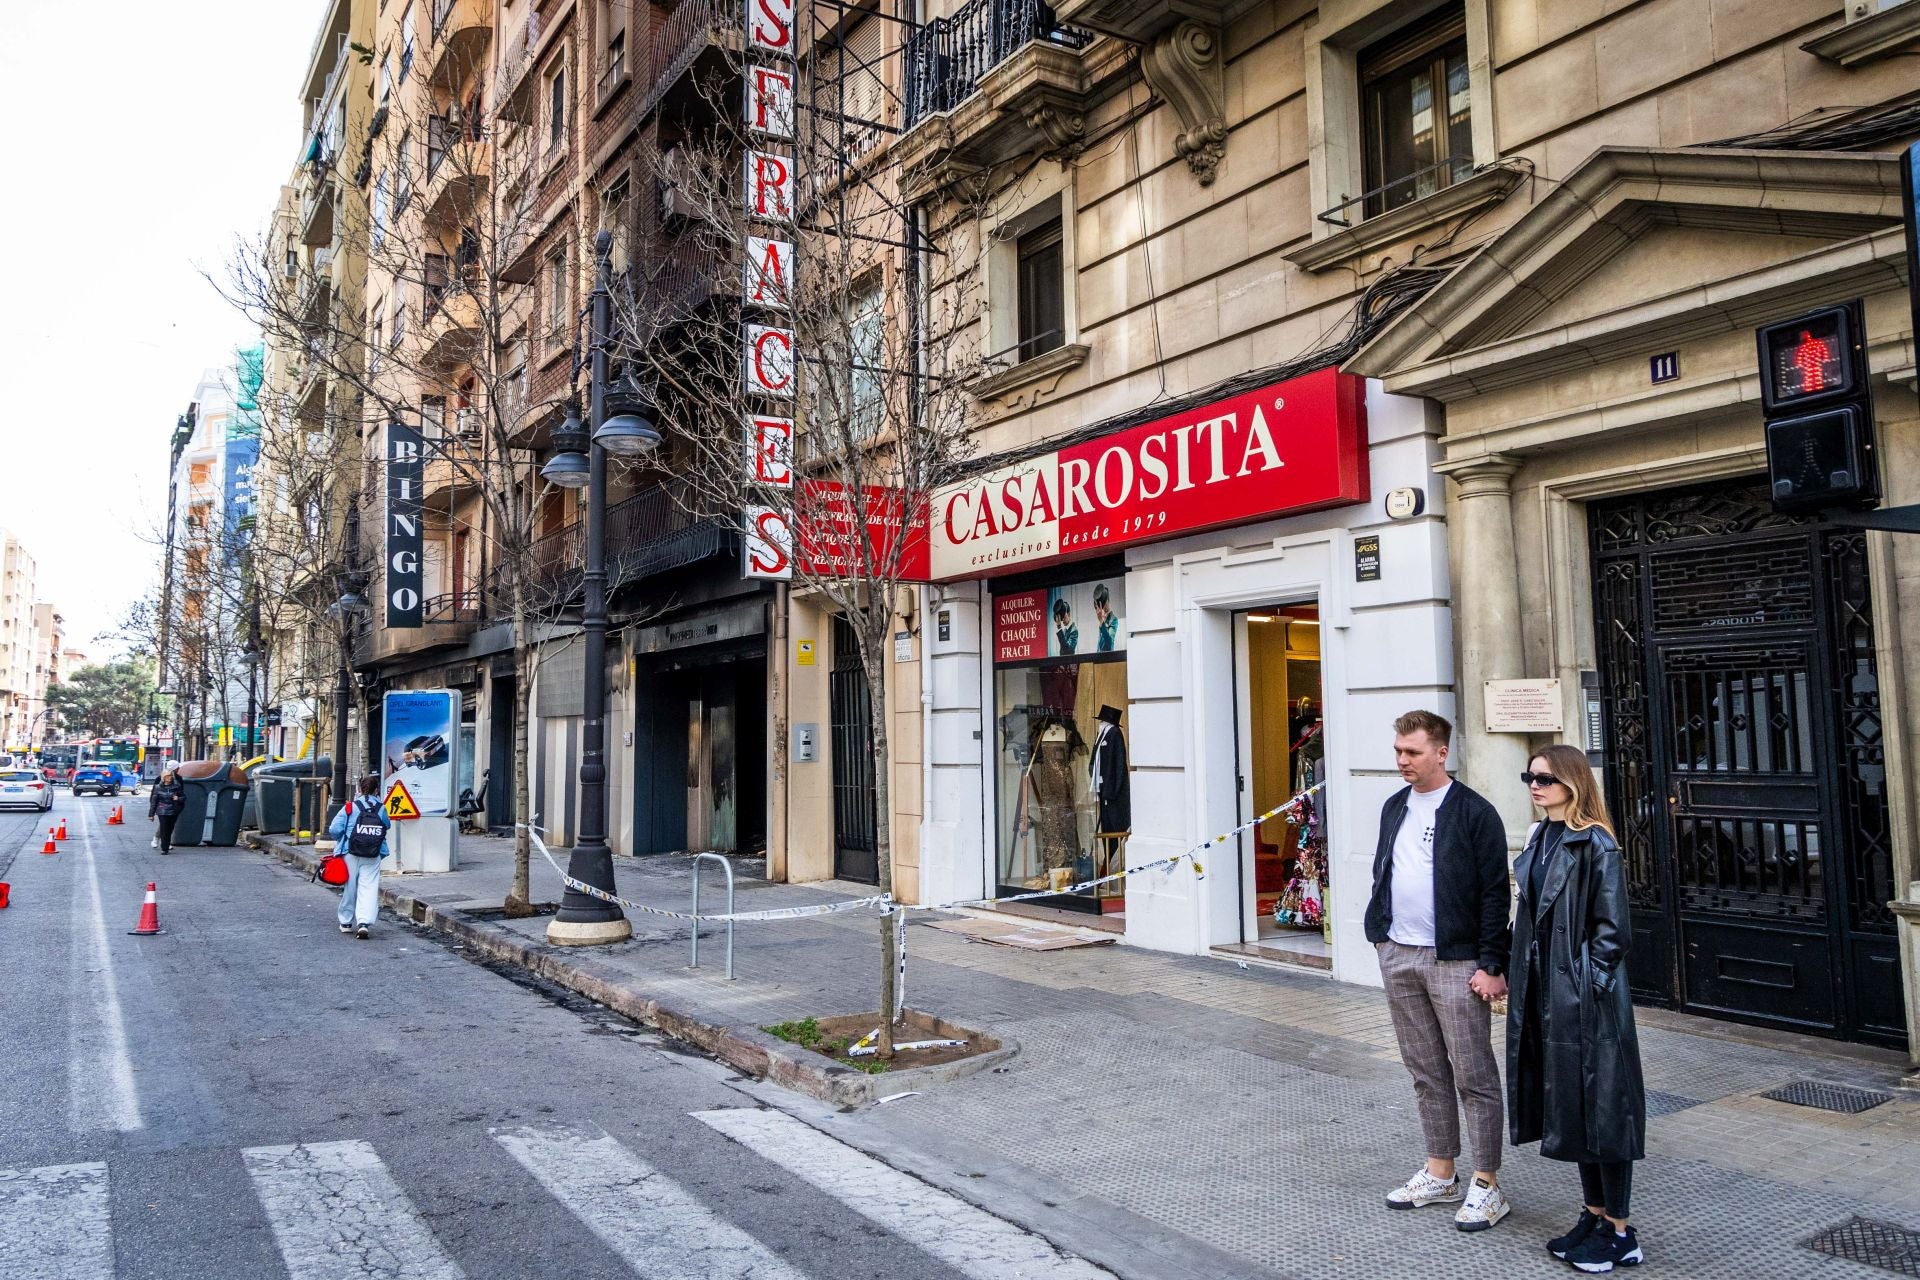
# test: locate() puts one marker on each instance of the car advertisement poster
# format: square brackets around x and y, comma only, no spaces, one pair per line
[417,753]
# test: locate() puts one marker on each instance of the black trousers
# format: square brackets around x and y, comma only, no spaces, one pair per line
[165,823]
[1608,1183]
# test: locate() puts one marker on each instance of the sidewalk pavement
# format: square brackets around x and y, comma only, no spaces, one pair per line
[1260,1112]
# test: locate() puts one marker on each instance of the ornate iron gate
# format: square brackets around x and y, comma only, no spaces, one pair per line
[856,848]
[1745,767]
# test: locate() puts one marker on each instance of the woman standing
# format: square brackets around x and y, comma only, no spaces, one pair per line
[164,803]
[1573,1058]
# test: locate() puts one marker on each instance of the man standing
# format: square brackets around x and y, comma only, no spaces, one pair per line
[1438,917]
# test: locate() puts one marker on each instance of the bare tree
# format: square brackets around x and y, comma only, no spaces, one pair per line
[457,314]
[780,320]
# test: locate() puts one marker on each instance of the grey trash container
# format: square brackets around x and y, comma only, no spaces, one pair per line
[275,801]
[213,795]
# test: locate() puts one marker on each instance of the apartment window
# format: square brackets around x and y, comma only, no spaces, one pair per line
[557,291]
[866,341]
[1415,115]
[380,209]
[1041,289]
[616,60]
[614,217]
[293,263]
[557,107]
[433,417]
[378,345]
[386,81]
[406,43]
[403,175]
[399,313]
[435,277]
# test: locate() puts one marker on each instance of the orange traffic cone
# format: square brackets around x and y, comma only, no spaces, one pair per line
[49,846]
[63,830]
[149,914]
[114,819]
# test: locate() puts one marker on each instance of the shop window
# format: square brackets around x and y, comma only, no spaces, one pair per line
[1416,112]
[1060,700]
[1041,285]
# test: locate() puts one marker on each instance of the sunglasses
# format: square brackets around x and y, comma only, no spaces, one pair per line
[1539,780]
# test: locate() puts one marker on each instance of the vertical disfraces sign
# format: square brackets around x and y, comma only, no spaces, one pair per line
[768,365]
[404,548]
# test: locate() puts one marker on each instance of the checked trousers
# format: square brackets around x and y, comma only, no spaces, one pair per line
[1446,1041]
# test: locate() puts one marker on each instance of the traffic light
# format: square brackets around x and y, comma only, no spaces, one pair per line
[1818,406]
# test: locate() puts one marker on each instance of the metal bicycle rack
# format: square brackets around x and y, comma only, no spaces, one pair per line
[726,866]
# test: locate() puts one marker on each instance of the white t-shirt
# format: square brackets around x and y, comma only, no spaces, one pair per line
[1413,869]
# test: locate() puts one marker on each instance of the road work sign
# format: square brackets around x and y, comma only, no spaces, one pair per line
[400,805]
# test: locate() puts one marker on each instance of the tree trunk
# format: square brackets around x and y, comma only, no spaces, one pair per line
[520,898]
[872,657]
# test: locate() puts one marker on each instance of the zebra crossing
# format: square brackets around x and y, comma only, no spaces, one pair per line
[336,1212]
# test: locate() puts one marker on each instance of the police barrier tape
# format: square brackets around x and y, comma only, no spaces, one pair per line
[885,902]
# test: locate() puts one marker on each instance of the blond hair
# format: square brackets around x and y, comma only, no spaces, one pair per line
[1588,808]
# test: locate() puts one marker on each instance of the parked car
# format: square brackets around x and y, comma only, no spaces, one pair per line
[101,779]
[24,788]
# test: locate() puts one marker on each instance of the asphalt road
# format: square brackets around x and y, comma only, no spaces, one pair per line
[251,1094]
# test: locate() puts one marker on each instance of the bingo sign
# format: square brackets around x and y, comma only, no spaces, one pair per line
[767,271]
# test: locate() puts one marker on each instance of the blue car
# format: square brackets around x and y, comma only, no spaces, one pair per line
[101,779]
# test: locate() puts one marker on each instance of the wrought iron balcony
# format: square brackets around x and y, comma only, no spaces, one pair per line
[647,534]
[947,57]
[675,47]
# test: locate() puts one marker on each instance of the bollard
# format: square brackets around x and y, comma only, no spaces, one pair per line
[728,868]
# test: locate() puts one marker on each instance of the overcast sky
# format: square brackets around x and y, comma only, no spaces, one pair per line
[138,141]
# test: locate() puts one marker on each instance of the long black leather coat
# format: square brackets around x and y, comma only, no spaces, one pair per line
[1574,1084]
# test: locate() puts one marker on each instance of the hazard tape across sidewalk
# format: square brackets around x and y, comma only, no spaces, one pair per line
[884,901]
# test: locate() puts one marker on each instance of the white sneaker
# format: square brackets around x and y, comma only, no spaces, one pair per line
[154,843]
[1423,1189]
[1484,1207]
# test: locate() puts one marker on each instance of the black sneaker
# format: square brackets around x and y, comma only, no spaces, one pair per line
[1606,1249]
[1560,1246]
[364,933]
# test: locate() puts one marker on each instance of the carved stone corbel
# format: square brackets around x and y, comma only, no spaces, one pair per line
[1064,129]
[1186,67]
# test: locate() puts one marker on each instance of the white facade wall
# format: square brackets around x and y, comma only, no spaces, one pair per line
[1387,647]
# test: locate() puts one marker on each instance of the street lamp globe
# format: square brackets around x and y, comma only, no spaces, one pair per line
[567,466]
[627,435]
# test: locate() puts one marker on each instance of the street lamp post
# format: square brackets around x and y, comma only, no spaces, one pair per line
[352,600]
[584,919]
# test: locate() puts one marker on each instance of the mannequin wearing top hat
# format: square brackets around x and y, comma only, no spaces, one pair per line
[1112,787]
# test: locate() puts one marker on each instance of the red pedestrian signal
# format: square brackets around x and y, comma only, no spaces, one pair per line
[1815,396]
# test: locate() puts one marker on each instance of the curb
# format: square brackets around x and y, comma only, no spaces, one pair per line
[741,1045]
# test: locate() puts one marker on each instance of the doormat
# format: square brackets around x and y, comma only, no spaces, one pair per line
[1024,937]
[1878,1244]
[1829,1097]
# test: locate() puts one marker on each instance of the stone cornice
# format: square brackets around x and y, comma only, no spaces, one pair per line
[1601,204]
[1869,39]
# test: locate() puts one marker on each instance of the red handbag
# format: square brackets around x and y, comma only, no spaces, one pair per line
[333,869]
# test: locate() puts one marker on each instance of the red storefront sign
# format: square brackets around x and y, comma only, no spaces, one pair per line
[829,542]
[1020,626]
[1295,446]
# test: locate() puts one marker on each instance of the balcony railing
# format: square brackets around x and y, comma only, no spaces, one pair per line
[646,534]
[677,42]
[947,57]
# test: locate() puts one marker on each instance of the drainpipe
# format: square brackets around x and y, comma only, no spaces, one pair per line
[778,708]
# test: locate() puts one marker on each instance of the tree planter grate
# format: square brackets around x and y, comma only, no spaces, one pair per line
[1828,1097]
[1660,1103]
[1878,1244]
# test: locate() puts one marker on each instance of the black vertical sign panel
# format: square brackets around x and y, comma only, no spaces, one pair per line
[404,549]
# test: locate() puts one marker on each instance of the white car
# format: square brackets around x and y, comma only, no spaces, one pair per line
[24,788]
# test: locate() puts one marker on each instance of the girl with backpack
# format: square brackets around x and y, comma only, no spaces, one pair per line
[359,834]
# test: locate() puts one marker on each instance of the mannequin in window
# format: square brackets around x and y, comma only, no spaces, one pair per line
[1046,805]
[1112,787]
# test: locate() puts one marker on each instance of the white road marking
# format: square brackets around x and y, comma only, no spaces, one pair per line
[968,1238]
[337,1214]
[648,1219]
[55,1223]
[100,1088]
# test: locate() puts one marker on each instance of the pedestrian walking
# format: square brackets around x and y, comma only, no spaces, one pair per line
[362,826]
[1438,919]
[164,803]
[1573,1056]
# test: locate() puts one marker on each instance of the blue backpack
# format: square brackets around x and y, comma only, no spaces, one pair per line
[369,829]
